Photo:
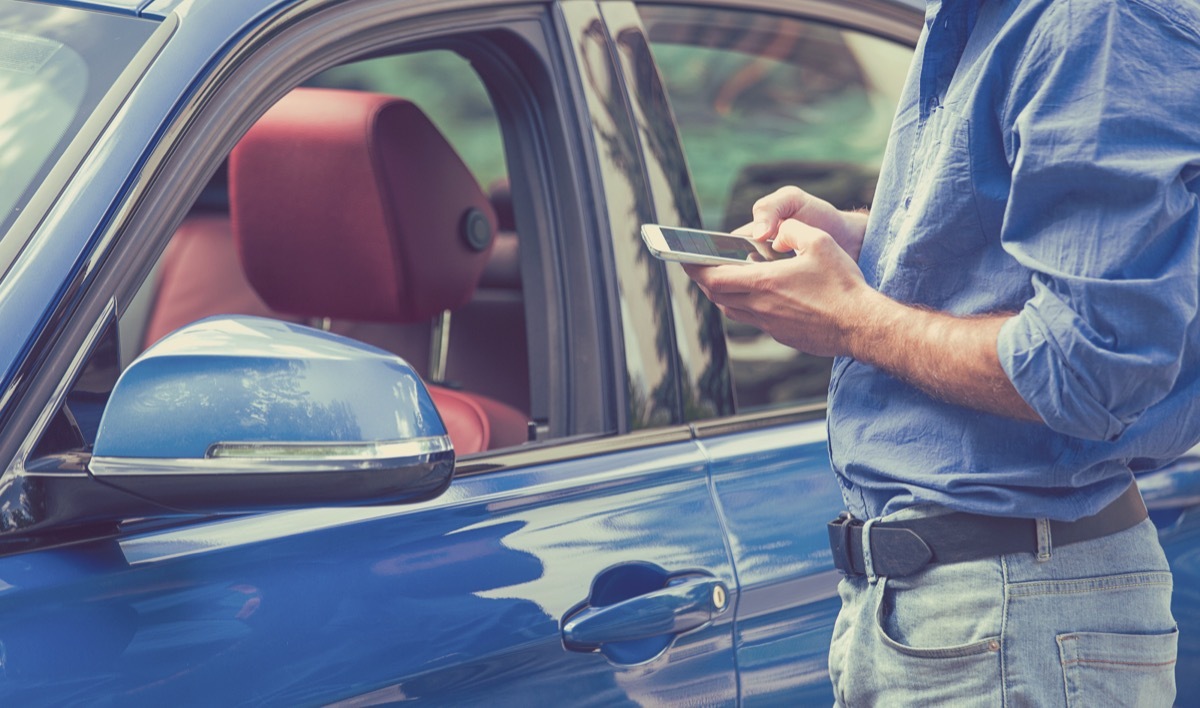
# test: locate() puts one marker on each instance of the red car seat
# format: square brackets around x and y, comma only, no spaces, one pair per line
[351,206]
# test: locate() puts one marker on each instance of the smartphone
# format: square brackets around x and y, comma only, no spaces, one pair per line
[672,243]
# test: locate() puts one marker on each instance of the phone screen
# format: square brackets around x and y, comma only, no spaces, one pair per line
[731,247]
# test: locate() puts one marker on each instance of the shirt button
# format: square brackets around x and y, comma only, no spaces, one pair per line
[907,201]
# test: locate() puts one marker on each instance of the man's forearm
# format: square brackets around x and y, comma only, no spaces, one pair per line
[819,303]
[856,229]
[951,358]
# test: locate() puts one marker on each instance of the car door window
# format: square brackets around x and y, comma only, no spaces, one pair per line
[476,349]
[761,102]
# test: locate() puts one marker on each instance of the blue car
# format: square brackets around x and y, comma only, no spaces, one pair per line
[334,371]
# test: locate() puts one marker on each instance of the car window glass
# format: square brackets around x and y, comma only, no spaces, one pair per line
[204,270]
[761,102]
[56,64]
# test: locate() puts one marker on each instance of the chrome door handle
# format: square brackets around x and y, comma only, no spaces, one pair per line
[685,604]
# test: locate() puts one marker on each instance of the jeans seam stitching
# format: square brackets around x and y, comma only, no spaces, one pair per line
[1136,574]
[1104,588]
[1004,633]
[1100,583]
[1117,663]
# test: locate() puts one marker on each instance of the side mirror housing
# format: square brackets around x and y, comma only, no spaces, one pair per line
[250,414]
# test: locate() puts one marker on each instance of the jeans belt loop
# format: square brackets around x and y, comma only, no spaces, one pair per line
[1045,540]
[868,562]
[839,542]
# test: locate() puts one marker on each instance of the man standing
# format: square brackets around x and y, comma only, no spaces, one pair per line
[1016,334]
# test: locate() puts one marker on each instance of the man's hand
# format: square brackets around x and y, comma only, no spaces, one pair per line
[819,303]
[846,228]
[808,302]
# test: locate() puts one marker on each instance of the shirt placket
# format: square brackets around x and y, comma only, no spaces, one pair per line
[949,25]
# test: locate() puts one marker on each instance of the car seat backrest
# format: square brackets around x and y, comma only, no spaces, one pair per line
[352,205]
[201,276]
[348,205]
[489,334]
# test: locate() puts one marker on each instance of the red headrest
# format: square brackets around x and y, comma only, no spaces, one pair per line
[352,205]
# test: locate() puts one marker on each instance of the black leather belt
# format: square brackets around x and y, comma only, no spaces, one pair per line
[903,547]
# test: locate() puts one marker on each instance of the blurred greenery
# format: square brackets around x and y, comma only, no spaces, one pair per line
[737,111]
[447,89]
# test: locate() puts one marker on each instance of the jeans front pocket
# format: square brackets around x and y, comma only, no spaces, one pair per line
[1112,669]
[938,642]
[958,621]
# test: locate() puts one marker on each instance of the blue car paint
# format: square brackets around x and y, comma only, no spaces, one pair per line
[775,493]
[457,599]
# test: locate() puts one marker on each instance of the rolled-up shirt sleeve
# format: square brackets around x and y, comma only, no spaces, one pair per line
[1103,212]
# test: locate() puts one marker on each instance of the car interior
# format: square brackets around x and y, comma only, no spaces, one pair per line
[375,202]
[348,210]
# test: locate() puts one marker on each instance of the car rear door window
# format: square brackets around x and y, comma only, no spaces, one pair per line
[761,102]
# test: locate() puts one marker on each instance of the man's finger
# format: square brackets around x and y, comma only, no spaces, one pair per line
[770,210]
[721,280]
[774,208]
[796,236]
[738,314]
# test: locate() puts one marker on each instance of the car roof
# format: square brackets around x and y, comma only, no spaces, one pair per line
[160,8]
[128,7]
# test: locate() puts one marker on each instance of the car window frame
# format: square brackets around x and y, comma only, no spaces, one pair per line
[301,43]
[704,378]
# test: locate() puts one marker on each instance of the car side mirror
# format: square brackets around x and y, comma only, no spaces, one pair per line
[251,414]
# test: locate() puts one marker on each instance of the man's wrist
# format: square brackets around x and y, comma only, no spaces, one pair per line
[854,226]
[868,322]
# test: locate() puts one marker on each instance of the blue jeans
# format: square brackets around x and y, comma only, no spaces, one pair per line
[1087,624]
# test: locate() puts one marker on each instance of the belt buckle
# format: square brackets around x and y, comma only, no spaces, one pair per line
[839,542]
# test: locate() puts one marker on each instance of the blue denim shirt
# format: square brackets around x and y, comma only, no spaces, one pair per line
[1043,162]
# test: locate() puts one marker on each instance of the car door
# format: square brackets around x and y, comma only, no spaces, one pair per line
[766,95]
[588,566]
